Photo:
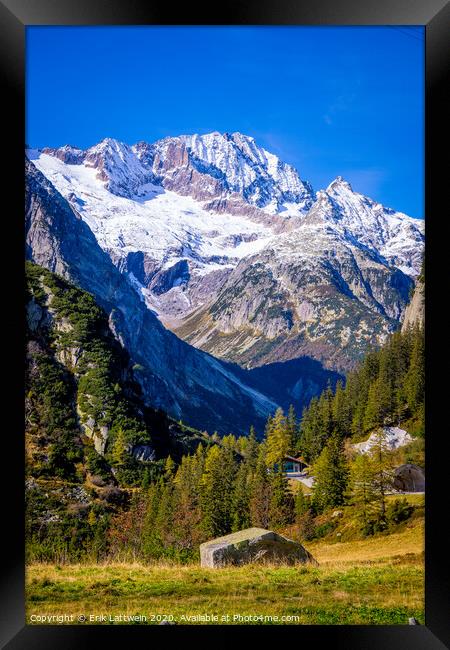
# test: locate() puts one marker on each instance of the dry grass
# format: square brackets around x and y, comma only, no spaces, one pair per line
[378,580]
[408,543]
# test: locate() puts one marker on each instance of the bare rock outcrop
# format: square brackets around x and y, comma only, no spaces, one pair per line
[415,311]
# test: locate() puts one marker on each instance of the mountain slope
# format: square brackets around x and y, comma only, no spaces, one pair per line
[415,311]
[174,376]
[83,404]
[318,294]
[236,253]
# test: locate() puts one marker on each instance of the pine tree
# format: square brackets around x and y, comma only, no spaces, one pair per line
[382,473]
[165,517]
[241,499]
[281,502]
[373,415]
[216,489]
[151,542]
[415,378]
[187,521]
[339,411]
[252,449]
[260,492]
[169,468]
[331,475]
[119,453]
[362,489]
[278,439]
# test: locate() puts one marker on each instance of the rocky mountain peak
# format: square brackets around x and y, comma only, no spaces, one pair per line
[338,185]
[68,154]
[117,165]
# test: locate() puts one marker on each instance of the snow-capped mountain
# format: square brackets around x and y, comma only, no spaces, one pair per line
[174,376]
[395,236]
[238,254]
[226,164]
[114,163]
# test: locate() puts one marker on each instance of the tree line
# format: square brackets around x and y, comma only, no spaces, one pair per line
[386,389]
[234,484]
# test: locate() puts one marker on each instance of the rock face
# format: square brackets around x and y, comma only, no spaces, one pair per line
[220,165]
[415,311]
[252,545]
[394,437]
[409,478]
[309,292]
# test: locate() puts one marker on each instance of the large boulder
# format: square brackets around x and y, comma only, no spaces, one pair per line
[409,478]
[252,545]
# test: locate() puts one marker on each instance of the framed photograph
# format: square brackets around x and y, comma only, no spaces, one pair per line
[220,347]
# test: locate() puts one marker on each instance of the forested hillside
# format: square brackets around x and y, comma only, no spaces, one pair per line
[387,388]
[89,435]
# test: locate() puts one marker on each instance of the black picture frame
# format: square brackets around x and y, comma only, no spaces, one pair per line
[15,16]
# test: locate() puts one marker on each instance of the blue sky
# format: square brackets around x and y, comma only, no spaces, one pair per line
[331,101]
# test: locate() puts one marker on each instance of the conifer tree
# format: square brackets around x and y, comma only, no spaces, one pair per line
[119,455]
[187,529]
[165,517]
[373,411]
[169,468]
[382,473]
[278,439]
[340,411]
[251,449]
[281,502]
[415,377]
[331,475]
[362,489]
[241,499]
[260,492]
[151,542]
[216,491]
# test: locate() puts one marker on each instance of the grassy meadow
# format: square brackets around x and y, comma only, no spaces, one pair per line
[377,580]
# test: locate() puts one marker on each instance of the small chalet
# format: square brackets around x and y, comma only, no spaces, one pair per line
[292,465]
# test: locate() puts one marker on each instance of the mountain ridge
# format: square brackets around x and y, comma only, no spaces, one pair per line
[184,216]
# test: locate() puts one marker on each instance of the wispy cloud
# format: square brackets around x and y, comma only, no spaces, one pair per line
[341,104]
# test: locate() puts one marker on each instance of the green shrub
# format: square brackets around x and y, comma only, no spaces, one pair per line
[398,511]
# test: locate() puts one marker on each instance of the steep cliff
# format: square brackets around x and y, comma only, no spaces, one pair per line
[183,381]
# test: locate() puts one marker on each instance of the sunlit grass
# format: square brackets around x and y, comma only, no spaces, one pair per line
[373,581]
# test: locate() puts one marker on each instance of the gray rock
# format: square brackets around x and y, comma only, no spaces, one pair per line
[100,440]
[252,545]
[144,453]
[415,311]
[409,478]
[34,315]
[337,513]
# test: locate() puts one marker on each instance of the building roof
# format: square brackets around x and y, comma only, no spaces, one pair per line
[296,460]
